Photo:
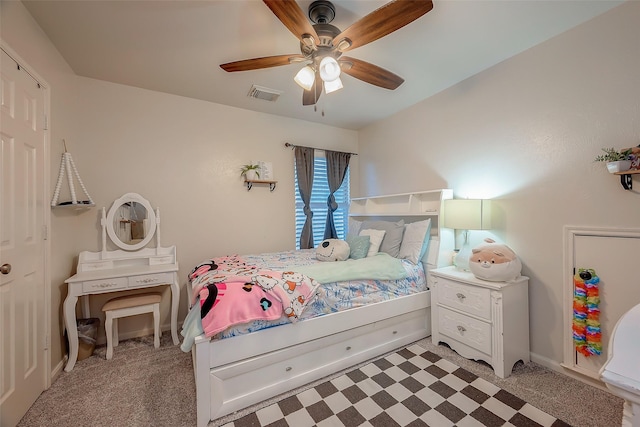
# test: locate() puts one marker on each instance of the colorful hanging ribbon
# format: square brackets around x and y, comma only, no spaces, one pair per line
[587,336]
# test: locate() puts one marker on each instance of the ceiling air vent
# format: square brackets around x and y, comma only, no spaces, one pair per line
[260,92]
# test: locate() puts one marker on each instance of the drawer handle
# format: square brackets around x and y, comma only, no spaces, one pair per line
[461,296]
[461,329]
[106,285]
[348,347]
[395,332]
[288,368]
[146,280]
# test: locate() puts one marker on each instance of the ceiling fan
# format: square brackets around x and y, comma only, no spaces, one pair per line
[322,44]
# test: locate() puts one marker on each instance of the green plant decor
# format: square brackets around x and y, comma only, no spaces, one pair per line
[247,168]
[613,155]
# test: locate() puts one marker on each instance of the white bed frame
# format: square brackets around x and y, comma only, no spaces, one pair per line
[234,373]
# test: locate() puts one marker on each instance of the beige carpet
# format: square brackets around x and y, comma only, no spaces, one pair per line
[142,386]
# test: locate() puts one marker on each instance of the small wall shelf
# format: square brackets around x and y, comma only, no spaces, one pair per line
[79,205]
[250,182]
[625,178]
[68,168]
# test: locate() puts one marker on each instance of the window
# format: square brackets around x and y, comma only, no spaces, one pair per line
[319,195]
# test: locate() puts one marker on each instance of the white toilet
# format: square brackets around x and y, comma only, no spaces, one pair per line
[621,372]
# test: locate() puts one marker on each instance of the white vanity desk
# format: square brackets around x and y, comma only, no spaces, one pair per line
[132,267]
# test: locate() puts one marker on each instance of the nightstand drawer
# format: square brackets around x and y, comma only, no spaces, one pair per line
[466,298]
[151,279]
[106,285]
[472,332]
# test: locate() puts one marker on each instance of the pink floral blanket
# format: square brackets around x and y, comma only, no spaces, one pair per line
[231,292]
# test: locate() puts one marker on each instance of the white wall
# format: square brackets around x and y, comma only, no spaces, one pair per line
[525,133]
[182,154]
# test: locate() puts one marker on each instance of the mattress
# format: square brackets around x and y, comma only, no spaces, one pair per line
[331,297]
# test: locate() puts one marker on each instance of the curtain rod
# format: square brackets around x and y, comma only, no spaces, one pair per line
[286,144]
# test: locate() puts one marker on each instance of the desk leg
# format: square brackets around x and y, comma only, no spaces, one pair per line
[86,311]
[175,300]
[72,330]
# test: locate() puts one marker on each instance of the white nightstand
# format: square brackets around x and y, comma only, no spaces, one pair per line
[481,320]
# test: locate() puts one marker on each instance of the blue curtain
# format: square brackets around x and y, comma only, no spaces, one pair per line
[337,166]
[304,170]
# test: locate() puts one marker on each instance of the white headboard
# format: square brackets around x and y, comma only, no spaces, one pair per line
[412,207]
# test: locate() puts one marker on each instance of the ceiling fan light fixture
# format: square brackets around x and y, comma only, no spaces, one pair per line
[333,85]
[343,45]
[329,69]
[305,78]
[308,41]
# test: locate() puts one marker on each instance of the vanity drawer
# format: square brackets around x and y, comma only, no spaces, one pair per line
[472,332]
[96,265]
[162,259]
[106,285]
[151,279]
[466,298]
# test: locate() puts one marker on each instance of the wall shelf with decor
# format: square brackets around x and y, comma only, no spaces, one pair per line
[625,178]
[250,182]
[68,169]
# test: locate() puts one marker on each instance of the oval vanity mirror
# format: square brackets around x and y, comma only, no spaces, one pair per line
[131,222]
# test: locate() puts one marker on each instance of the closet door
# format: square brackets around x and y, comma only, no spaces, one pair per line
[23,210]
[613,254]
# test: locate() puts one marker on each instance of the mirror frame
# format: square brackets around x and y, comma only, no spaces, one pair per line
[151,221]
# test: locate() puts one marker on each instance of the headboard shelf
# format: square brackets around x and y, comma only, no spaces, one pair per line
[411,207]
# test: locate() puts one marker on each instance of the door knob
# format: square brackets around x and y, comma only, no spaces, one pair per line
[5,269]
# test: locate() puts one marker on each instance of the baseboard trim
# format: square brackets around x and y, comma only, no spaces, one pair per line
[557,367]
[55,373]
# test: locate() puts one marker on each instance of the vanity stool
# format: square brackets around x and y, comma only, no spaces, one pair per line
[130,305]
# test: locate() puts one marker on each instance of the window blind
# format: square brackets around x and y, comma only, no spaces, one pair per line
[319,195]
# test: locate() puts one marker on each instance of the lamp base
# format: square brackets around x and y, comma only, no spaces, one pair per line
[462,259]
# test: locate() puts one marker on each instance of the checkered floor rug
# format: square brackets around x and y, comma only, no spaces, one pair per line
[412,387]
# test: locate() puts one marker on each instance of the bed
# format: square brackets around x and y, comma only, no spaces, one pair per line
[238,368]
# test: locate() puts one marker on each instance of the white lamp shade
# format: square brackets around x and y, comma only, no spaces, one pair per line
[305,78]
[329,69]
[333,85]
[467,214]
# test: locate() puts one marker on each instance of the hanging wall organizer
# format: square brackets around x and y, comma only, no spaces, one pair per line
[68,167]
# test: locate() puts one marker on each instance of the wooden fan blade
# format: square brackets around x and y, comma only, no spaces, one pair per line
[369,73]
[290,14]
[385,20]
[258,63]
[310,97]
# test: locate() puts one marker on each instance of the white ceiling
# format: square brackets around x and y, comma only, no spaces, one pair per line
[177,46]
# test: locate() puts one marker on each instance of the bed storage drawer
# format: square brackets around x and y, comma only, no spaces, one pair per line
[295,366]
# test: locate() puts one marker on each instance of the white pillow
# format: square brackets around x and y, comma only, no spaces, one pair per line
[415,240]
[375,239]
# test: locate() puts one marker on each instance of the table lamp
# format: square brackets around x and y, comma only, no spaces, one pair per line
[466,215]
